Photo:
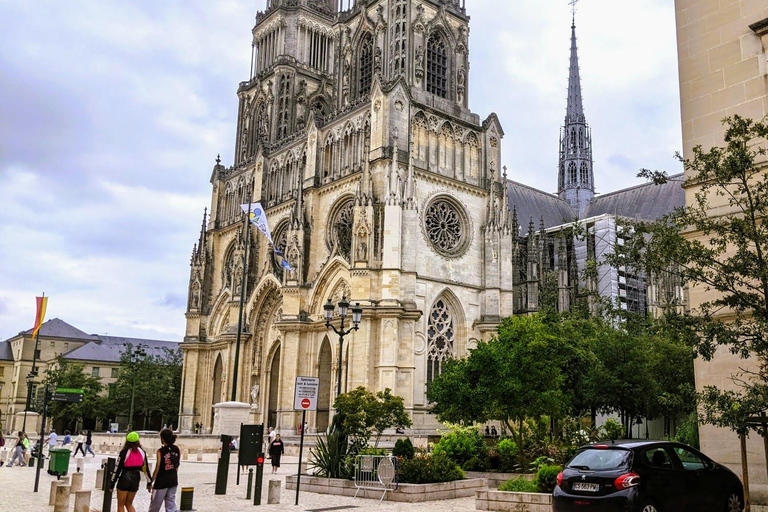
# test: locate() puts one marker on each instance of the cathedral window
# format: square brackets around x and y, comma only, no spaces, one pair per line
[437,66]
[584,173]
[366,65]
[421,137]
[441,338]
[446,227]
[572,173]
[581,138]
[340,229]
[284,104]
[398,37]
[262,122]
[281,242]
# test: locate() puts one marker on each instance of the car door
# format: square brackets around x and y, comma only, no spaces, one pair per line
[702,485]
[664,481]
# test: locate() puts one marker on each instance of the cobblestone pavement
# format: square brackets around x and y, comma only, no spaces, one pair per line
[17,484]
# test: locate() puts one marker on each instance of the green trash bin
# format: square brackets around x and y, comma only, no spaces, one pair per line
[58,462]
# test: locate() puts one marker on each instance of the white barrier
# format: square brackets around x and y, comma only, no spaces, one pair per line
[376,473]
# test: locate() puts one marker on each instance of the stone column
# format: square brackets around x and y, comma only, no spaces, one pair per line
[61,503]
[99,478]
[82,501]
[77,483]
[274,492]
[52,497]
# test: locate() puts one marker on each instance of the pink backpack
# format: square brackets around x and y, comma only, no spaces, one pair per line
[134,459]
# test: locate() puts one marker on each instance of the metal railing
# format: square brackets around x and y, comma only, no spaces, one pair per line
[376,473]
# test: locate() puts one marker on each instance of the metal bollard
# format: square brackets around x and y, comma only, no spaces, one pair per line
[273,495]
[77,483]
[61,504]
[187,496]
[52,497]
[250,484]
[106,504]
[99,478]
[82,501]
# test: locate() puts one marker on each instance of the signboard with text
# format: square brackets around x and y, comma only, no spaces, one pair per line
[305,394]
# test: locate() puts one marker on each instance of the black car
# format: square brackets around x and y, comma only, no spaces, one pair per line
[646,476]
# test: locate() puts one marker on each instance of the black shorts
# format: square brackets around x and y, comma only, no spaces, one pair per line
[129,481]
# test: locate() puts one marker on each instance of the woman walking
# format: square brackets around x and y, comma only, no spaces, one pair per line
[88,442]
[130,463]
[18,451]
[79,440]
[165,478]
[276,450]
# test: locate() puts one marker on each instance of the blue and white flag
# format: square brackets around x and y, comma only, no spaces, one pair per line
[258,217]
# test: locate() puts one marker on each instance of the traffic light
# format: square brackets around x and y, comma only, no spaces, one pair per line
[260,460]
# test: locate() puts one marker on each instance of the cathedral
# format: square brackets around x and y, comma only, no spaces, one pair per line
[381,186]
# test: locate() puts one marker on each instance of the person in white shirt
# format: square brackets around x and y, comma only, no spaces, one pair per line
[79,440]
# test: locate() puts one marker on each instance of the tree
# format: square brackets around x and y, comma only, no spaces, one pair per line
[365,414]
[67,374]
[723,251]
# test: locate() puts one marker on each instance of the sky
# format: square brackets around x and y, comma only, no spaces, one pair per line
[112,114]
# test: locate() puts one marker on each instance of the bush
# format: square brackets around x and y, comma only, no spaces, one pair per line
[613,430]
[403,448]
[369,450]
[461,444]
[688,431]
[331,457]
[546,478]
[519,485]
[508,452]
[476,464]
[429,469]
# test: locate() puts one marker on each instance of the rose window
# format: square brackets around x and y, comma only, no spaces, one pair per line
[445,227]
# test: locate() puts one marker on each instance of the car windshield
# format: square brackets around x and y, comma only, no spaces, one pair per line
[600,459]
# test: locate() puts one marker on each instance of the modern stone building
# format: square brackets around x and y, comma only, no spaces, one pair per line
[382,186]
[723,61]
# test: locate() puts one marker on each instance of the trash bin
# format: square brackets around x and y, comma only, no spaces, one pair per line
[58,463]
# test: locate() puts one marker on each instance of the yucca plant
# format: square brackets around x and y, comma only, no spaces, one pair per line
[330,456]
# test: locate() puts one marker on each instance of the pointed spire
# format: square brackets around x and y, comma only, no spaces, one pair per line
[575,110]
[505,203]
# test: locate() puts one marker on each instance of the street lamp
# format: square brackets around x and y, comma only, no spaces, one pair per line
[357,314]
[134,356]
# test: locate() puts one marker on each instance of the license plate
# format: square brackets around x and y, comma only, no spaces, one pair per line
[582,486]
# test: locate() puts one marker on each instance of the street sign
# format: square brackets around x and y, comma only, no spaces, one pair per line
[73,396]
[305,395]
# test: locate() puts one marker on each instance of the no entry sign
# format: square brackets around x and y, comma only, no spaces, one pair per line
[305,396]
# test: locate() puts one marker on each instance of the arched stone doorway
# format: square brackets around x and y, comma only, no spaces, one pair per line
[326,385]
[218,370]
[274,389]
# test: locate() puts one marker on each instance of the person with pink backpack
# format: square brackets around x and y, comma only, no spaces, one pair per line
[130,463]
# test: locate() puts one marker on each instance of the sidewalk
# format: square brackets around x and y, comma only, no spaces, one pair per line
[17,484]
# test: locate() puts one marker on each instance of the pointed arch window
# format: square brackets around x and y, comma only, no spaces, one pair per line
[441,338]
[584,173]
[572,173]
[437,66]
[366,65]
[284,103]
[397,46]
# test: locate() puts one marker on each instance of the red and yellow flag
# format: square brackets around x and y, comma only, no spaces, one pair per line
[42,303]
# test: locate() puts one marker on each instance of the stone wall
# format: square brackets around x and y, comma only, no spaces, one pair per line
[518,501]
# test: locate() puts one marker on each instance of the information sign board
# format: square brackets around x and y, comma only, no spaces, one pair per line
[306,392]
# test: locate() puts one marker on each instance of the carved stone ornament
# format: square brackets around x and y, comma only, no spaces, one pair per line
[446,226]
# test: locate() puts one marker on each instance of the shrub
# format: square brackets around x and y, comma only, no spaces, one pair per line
[519,485]
[461,444]
[688,431]
[428,469]
[476,464]
[508,452]
[546,478]
[613,430]
[330,457]
[403,448]
[369,450]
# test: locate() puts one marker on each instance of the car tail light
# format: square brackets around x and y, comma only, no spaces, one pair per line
[600,447]
[560,479]
[626,481]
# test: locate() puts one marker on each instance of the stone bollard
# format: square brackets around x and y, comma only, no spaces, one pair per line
[77,483]
[273,497]
[61,504]
[80,465]
[199,455]
[83,501]
[99,478]
[52,497]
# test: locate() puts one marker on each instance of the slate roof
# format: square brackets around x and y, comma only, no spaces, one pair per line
[532,203]
[5,351]
[60,329]
[646,202]
[108,349]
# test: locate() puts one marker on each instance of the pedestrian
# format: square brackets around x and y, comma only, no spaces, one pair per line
[127,476]
[79,441]
[2,445]
[25,448]
[165,478]
[18,451]
[88,442]
[493,431]
[276,450]
[67,438]
[52,438]
[487,431]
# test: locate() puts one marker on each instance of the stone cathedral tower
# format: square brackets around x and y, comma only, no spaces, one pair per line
[379,184]
[576,183]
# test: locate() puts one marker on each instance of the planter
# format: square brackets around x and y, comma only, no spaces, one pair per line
[516,501]
[496,479]
[405,493]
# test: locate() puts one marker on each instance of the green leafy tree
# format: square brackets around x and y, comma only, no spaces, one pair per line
[365,414]
[64,373]
[724,251]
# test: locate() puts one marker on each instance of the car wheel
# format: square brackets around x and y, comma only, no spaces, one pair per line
[734,502]
[649,506]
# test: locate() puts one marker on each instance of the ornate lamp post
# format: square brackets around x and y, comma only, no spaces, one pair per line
[134,357]
[357,314]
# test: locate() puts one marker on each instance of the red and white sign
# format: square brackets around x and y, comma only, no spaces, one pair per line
[306,393]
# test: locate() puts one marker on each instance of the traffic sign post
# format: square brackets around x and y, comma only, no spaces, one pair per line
[304,399]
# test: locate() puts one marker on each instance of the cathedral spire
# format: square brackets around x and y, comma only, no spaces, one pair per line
[575,182]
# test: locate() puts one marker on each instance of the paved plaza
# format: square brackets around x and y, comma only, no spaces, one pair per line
[17,484]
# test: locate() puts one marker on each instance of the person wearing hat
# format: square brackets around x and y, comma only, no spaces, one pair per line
[130,463]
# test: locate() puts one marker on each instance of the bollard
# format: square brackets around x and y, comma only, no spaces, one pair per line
[99,478]
[77,483]
[52,497]
[187,496]
[62,499]
[80,465]
[273,496]
[82,501]
[250,484]
[185,454]
[106,504]
[199,455]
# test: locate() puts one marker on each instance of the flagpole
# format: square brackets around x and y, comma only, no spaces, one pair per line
[242,297]
[31,375]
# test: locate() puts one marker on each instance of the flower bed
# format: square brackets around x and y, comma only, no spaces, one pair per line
[496,479]
[518,501]
[406,493]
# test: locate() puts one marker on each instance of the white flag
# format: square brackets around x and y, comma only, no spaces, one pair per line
[256,215]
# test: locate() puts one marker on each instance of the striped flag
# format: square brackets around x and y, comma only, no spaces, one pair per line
[42,303]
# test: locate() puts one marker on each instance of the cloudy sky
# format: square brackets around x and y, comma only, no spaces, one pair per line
[112,113]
